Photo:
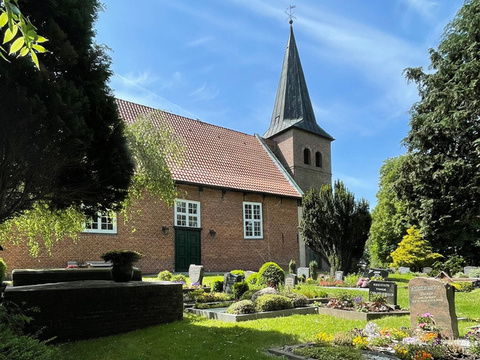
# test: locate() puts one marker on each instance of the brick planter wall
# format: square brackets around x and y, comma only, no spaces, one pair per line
[86,309]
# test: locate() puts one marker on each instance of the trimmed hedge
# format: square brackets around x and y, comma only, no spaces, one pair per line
[271,274]
[239,289]
[272,302]
[241,307]
[3,271]
[165,275]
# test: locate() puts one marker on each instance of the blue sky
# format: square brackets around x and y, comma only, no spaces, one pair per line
[219,61]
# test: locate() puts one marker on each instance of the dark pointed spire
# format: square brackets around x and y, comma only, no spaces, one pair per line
[293,107]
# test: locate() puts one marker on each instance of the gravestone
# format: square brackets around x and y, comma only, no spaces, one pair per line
[437,298]
[385,288]
[229,280]
[303,271]
[339,275]
[467,269]
[248,273]
[383,273]
[427,270]
[403,270]
[196,273]
[290,281]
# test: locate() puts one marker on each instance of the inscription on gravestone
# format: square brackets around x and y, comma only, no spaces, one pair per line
[434,297]
[195,273]
[303,271]
[384,288]
[290,280]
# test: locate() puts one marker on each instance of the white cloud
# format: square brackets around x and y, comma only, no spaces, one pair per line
[423,7]
[205,93]
[200,42]
[127,89]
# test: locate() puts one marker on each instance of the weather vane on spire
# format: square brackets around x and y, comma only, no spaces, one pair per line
[290,13]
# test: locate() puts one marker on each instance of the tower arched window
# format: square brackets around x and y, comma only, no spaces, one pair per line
[307,157]
[318,159]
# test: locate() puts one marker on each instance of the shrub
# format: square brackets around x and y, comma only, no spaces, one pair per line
[292,267]
[241,307]
[179,278]
[272,302]
[122,257]
[239,289]
[271,274]
[192,295]
[164,275]
[313,265]
[351,279]
[217,286]
[247,295]
[3,271]
[213,297]
[240,273]
[463,286]
[22,347]
[297,300]
[453,265]
[253,279]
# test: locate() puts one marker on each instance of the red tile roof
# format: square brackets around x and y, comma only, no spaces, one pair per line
[220,157]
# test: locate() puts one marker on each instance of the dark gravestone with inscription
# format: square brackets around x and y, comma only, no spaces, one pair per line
[195,273]
[388,289]
[437,298]
[229,280]
[290,281]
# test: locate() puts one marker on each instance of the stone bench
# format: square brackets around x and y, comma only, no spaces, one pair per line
[22,277]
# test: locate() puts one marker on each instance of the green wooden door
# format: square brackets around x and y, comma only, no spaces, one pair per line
[187,249]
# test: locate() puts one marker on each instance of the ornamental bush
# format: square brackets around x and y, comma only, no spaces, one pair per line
[272,302]
[239,289]
[253,279]
[297,300]
[240,273]
[271,274]
[217,286]
[241,307]
[3,271]
[247,295]
[164,275]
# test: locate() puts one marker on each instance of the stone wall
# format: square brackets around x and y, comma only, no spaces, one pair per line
[89,309]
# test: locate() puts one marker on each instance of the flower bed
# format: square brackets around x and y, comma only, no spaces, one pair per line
[387,343]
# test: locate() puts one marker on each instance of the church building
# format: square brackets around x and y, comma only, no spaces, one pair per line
[239,195]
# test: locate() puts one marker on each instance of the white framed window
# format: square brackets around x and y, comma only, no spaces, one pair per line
[252,220]
[102,223]
[187,213]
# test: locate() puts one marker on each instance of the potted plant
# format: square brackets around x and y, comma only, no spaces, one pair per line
[122,263]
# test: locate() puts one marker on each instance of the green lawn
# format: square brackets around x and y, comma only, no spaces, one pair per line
[199,338]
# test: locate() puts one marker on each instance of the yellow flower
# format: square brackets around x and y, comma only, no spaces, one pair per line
[323,338]
[360,342]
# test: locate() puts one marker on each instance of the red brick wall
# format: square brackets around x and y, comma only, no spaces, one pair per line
[222,212]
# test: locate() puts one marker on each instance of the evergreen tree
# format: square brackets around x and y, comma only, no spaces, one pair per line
[440,178]
[389,218]
[335,225]
[61,139]
[413,251]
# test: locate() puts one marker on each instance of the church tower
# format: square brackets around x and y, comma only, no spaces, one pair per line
[300,144]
